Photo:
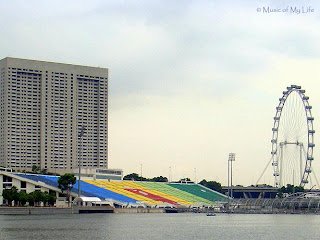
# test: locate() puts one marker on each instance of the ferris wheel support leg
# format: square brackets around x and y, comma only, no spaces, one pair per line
[315,177]
[301,163]
[263,172]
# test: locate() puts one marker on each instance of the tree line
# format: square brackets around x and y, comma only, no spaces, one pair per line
[21,198]
[213,185]
[136,177]
[37,170]
[289,189]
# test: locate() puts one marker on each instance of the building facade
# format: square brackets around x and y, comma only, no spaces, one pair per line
[43,106]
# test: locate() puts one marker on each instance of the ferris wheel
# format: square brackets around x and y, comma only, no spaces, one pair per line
[292,138]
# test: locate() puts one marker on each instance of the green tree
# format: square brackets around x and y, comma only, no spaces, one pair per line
[134,177]
[34,198]
[35,169]
[48,198]
[203,182]
[289,189]
[38,197]
[30,198]
[159,179]
[52,198]
[280,192]
[45,198]
[298,189]
[216,186]
[23,198]
[7,196]
[65,183]
[11,194]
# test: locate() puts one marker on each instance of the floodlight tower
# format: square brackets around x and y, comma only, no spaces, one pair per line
[232,158]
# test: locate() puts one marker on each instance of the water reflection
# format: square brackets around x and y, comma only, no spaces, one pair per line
[160,226]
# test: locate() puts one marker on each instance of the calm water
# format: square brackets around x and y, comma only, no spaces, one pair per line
[160,226]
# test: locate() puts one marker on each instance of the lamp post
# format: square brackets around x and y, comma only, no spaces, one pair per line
[80,135]
[232,158]
[68,192]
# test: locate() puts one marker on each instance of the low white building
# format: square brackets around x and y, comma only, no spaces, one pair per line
[9,179]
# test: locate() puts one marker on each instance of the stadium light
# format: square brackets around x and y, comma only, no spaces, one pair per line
[232,158]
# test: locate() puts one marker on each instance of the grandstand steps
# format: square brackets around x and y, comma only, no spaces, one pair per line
[126,193]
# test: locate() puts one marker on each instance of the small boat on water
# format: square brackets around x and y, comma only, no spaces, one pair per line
[209,214]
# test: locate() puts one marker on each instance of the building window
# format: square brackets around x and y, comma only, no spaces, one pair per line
[23,184]
[7,179]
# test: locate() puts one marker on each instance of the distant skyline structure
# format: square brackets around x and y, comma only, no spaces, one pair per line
[43,106]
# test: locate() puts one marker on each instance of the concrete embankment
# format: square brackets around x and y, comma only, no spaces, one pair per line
[54,210]
[80,210]
[74,210]
[34,210]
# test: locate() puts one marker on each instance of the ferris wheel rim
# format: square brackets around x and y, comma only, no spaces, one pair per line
[310,134]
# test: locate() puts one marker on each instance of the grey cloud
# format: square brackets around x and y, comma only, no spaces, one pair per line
[194,45]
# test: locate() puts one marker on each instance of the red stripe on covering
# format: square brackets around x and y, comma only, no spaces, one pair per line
[151,196]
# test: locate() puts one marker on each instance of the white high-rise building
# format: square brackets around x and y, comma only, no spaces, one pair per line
[43,105]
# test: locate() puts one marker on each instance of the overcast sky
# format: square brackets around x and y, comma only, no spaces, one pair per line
[190,81]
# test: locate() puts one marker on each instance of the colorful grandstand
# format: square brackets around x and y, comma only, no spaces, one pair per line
[146,193]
